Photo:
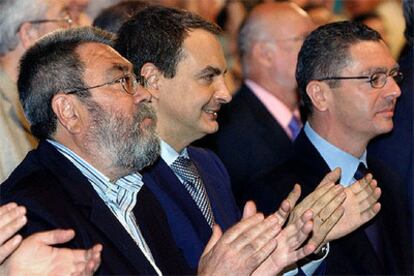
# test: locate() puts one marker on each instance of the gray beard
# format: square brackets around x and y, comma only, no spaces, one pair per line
[124,142]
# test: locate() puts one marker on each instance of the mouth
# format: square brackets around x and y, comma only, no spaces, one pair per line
[387,111]
[213,113]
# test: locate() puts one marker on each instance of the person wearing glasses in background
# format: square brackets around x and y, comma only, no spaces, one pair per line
[348,85]
[22,22]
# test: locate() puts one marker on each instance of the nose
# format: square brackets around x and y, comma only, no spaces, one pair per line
[222,94]
[392,88]
[142,95]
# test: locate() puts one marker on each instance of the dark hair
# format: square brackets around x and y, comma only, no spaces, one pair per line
[408,9]
[325,52]
[49,66]
[156,34]
[112,18]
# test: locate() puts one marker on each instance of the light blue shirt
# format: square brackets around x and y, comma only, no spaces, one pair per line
[120,197]
[336,157]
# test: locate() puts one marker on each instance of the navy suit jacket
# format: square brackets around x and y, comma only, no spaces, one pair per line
[57,195]
[352,254]
[188,225]
[249,141]
[396,148]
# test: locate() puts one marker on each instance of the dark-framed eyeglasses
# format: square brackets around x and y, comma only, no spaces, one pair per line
[128,83]
[376,80]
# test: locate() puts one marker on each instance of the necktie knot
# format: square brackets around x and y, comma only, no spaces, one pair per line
[361,171]
[294,126]
[185,168]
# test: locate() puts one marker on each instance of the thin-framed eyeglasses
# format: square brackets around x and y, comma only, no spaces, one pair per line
[66,19]
[376,80]
[128,83]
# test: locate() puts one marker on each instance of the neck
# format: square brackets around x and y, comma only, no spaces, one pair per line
[343,139]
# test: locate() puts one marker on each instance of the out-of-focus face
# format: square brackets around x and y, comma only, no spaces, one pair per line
[57,11]
[288,39]
[77,11]
[357,108]
[189,102]
[121,125]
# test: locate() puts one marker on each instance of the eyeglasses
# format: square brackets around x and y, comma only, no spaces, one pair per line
[128,82]
[66,19]
[377,79]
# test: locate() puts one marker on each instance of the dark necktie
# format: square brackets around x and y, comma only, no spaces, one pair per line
[294,126]
[373,230]
[186,169]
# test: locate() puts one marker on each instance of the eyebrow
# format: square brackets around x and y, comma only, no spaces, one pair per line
[116,68]
[380,70]
[211,70]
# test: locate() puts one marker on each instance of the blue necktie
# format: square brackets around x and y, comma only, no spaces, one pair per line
[294,126]
[373,230]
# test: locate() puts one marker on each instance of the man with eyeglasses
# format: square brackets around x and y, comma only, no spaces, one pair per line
[267,104]
[348,85]
[22,22]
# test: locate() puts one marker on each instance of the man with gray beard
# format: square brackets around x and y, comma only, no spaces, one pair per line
[96,131]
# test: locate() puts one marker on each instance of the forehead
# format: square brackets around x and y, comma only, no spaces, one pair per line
[56,7]
[202,48]
[288,22]
[100,60]
[369,55]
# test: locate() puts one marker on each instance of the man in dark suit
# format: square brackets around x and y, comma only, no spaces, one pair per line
[97,131]
[263,118]
[347,80]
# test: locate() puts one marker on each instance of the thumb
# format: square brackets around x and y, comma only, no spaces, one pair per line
[331,177]
[52,237]
[217,233]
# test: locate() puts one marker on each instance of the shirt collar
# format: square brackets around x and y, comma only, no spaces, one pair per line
[335,157]
[169,155]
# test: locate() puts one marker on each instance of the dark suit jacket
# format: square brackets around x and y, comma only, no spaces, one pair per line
[396,148]
[249,140]
[352,254]
[57,195]
[188,225]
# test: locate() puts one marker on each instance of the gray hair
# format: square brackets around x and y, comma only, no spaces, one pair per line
[13,13]
[251,31]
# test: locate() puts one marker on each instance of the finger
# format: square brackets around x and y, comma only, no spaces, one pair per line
[249,209]
[7,248]
[255,237]
[330,208]
[7,208]
[215,237]
[52,237]
[308,201]
[369,200]
[361,184]
[11,228]
[371,212]
[331,177]
[320,234]
[288,204]
[11,214]
[326,198]
[261,255]
[297,233]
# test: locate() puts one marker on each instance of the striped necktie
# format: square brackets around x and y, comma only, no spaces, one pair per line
[192,181]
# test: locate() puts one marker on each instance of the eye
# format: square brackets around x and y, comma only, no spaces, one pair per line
[378,79]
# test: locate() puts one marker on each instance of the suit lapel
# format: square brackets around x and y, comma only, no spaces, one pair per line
[83,195]
[163,175]
[269,128]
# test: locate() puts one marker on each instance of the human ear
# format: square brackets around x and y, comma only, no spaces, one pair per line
[318,92]
[67,111]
